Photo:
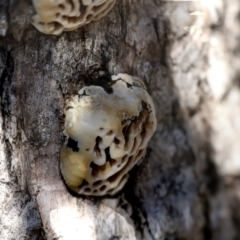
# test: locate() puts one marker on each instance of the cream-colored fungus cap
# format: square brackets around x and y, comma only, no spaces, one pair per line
[107,133]
[56,16]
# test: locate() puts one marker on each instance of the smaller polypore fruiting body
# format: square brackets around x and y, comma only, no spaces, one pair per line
[107,132]
[56,16]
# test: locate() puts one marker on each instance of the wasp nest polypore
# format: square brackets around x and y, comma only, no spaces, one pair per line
[107,133]
[56,16]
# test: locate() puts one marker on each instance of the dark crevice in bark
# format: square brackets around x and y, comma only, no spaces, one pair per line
[7,67]
[133,201]
[8,154]
[235,216]
[6,71]
[165,42]
[40,231]
[155,26]
[123,21]
[212,178]
[138,212]
[206,231]
[115,238]
[98,75]
[211,185]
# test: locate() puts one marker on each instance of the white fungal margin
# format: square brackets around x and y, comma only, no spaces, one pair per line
[107,134]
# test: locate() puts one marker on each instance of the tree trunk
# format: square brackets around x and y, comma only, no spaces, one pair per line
[188,185]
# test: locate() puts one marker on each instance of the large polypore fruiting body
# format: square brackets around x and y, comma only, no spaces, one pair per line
[56,16]
[107,132]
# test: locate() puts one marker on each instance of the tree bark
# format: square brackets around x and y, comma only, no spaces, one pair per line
[188,185]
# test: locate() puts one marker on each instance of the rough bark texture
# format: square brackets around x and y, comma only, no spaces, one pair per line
[188,186]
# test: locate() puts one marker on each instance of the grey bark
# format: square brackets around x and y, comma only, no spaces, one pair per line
[188,186]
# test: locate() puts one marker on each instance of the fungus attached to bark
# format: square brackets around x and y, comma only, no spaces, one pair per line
[56,16]
[107,134]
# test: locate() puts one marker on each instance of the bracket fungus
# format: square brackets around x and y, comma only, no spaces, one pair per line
[56,16]
[107,132]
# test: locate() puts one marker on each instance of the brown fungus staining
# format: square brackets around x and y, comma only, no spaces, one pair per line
[56,16]
[107,134]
